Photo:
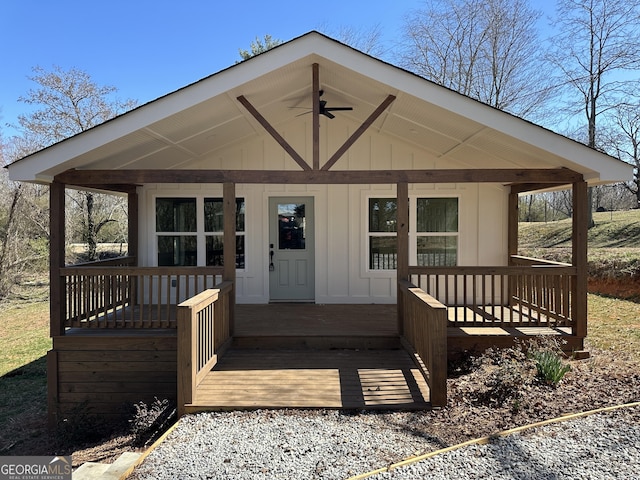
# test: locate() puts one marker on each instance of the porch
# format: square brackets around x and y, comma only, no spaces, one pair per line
[178,330]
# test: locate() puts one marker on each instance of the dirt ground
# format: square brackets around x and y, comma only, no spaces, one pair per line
[498,392]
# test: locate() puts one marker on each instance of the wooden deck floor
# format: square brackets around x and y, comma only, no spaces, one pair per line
[344,379]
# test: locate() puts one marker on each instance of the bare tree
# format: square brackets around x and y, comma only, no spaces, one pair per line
[486,49]
[622,140]
[69,102]
[598,41]
[365,39]
[23,223]
[597,44]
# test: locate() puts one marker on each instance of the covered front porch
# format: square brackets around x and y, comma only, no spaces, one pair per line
[147,331]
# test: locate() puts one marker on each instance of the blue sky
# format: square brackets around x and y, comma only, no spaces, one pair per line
[149,48]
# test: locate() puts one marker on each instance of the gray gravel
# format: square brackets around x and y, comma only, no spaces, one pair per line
[334,445]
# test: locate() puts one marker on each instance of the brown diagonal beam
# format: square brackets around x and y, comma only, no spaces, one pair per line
[272,131]
[358,133]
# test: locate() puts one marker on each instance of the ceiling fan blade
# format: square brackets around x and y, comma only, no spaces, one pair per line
[328,114]
[330,109]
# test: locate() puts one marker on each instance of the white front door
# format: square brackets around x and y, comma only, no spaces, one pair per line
[291,249]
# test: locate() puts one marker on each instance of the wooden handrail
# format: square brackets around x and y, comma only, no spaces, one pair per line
[425,329]
[522,260]
[539,293]
[203,334]
[116,261]
[560,269]
[111,296]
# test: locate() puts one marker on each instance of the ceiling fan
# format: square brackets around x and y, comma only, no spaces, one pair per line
[326,111]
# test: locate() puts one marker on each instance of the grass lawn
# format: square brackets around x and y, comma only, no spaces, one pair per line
[24,339]
[614,324]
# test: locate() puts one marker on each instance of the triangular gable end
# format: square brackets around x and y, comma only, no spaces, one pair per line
[185,128]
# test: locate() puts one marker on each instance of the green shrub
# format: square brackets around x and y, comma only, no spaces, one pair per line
[550,367]
[150,421]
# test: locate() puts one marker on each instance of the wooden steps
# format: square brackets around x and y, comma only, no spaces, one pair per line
[345,379]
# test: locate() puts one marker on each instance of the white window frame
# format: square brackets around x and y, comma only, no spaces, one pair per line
[200,233]
[413,224]
[413,227]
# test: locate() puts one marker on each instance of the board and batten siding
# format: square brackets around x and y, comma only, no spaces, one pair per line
[341,263]
[341,266]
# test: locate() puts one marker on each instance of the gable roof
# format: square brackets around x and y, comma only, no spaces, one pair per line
[180,129]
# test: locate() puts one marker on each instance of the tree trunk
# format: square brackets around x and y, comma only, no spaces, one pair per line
[5,280]
[92,242]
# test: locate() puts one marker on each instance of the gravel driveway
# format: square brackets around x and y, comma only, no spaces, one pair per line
[337,445]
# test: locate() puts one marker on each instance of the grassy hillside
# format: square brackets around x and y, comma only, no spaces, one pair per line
[614,243]
[611,230]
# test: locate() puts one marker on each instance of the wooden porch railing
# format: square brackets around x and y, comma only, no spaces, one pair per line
[203,334]
[530,292]
[425,329]
[114,294]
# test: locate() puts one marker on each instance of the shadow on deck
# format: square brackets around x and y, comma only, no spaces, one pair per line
[345,379]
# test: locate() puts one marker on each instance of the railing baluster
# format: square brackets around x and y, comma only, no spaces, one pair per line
[535,292]
[474,299]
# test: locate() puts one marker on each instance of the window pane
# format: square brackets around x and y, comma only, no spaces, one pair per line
[438,251]
[383,253]
[291,226]
[213,215]
[177,251]
[437,215]
[215,253]
[175,214]
[382,215]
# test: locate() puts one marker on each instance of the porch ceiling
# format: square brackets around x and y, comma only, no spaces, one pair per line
[186,128]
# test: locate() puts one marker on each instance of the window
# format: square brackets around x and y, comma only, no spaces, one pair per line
[383,240]
[176,228]
[437,232]
[435,239]
[181,233]
[214,232]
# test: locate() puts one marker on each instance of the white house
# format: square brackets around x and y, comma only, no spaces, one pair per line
[340,177]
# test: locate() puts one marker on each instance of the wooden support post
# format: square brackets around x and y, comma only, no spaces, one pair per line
[132,226]
[133,242]
[56,259]
[579,251]
[229,247]
[186,336]
[402,268]
[512,243]
[512,226]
